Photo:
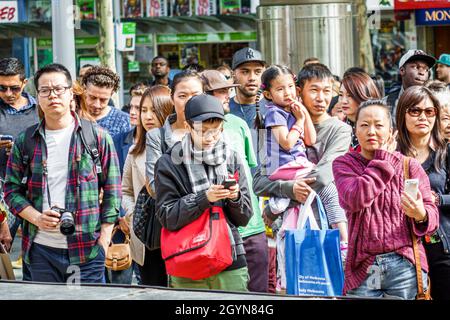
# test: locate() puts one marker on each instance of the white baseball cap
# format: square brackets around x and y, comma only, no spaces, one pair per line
[415,54]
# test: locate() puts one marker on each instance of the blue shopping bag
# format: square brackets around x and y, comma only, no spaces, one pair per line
[313,258]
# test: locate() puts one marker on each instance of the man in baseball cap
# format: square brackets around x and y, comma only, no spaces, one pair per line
[414,69]
[248,66]
[443,68]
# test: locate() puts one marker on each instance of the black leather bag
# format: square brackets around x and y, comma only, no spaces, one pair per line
[146,225]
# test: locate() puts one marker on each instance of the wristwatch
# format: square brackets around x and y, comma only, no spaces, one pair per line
[423,220]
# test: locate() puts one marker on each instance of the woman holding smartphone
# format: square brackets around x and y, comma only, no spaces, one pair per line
[380,259]
[420,137]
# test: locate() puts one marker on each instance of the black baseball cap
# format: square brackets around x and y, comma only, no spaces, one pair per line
[203,107]
[246,55]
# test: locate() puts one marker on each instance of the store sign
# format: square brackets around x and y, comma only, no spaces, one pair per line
[420,4]
[126,36]
[425,17]
[92,41]
[133,66]
[8,12]
[379,5]
[206,37]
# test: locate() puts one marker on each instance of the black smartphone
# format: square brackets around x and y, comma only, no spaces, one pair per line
[6,137]
[227,183]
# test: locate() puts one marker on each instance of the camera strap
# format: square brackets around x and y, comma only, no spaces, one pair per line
[46,183]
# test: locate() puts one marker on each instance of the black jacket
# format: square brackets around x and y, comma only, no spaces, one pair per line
[177,205]
[439,182]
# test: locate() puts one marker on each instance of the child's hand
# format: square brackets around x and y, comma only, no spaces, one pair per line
[297,111]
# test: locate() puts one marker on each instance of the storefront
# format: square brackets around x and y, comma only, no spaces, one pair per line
[209,49]
[400,25]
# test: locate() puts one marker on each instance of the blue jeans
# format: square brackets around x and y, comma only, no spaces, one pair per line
[52,265]
[390,276]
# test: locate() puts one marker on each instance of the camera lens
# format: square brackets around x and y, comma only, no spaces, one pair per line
[67,226]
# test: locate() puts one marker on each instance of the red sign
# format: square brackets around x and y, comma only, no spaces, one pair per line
[420,4]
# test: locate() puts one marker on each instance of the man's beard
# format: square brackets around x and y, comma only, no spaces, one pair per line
[246,93]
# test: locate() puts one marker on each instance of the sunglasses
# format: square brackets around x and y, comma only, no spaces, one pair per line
[416,112]
[14,89]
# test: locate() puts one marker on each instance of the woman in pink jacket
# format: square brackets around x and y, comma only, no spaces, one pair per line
[380,260]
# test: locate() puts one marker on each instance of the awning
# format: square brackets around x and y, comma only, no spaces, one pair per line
[159,25]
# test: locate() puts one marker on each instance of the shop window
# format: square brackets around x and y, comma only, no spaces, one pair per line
[396,35]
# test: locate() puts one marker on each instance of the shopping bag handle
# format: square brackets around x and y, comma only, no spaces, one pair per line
[306,214]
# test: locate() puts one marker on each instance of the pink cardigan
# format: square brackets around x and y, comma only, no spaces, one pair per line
[369,192]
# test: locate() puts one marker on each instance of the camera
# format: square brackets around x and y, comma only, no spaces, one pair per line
[67,225]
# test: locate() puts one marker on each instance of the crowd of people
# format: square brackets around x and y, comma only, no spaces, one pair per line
[224,140]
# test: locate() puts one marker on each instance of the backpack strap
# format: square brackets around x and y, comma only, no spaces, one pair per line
[89,140]
[28,151]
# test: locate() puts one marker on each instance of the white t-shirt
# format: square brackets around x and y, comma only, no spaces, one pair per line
[58,144]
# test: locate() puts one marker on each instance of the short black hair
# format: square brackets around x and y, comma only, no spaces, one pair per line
[12,67]
[160,57]
[52,68]
[313,71]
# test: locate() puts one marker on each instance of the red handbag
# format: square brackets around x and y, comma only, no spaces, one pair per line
[200,249]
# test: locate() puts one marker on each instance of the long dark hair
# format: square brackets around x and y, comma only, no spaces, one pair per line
[162,103]
[410,98]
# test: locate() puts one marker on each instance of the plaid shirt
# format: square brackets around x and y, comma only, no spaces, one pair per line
[82,182]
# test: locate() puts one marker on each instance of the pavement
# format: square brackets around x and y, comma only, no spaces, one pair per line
[19,290]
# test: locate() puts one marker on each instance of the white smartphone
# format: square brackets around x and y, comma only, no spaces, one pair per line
[412,187]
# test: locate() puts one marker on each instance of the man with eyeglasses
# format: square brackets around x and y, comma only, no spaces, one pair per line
[414,69]
[17,112]
[62,179]
[160,70]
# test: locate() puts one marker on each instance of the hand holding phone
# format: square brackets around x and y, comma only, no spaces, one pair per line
[227,183]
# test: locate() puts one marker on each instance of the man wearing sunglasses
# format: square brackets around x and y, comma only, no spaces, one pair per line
[414,69]
[17,112]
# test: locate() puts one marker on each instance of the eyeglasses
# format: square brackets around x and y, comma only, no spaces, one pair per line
[207,134]
[46,92]
[14,89]
[416,112]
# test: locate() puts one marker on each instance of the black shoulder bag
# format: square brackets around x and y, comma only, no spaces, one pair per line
[146,225]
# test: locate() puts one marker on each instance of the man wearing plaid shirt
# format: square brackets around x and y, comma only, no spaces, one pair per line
[63,174]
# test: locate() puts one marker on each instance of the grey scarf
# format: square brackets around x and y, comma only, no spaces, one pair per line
[198,162]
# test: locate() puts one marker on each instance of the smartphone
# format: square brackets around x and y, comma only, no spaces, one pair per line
[412,187]
[6,137]
[227,183]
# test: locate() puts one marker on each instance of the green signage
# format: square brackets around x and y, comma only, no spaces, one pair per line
[133,66]
[92,41]
[206,37]
[147,39]
[129,28]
